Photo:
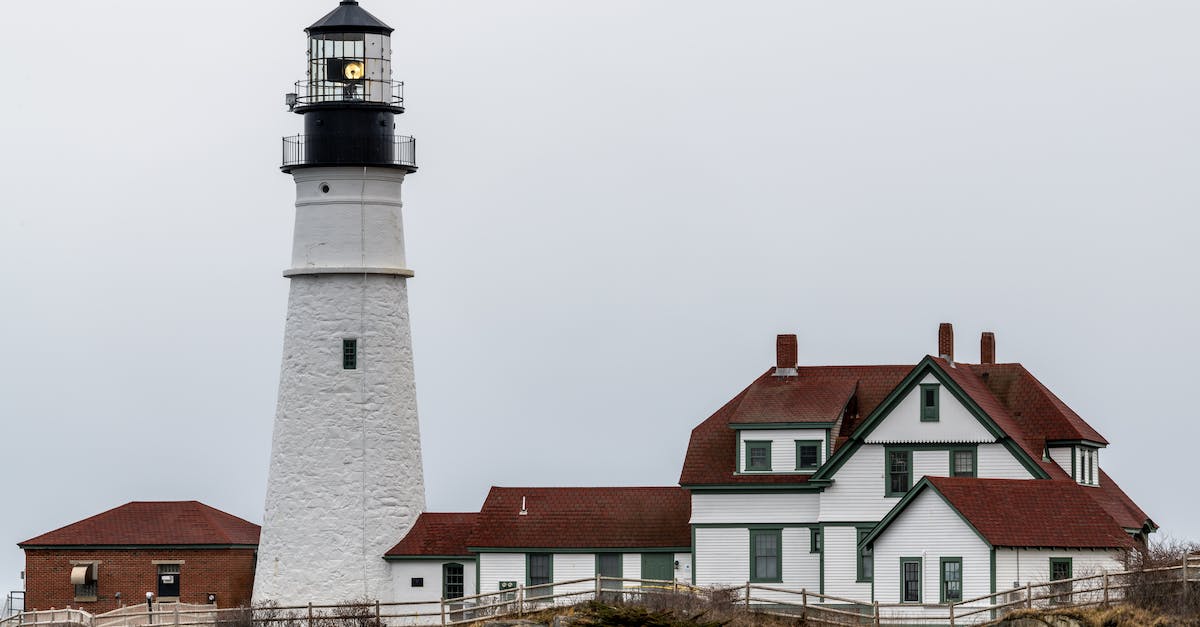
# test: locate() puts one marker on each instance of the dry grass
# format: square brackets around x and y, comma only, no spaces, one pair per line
[1120,616]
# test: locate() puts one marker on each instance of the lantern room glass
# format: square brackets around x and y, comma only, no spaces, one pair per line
[349,67]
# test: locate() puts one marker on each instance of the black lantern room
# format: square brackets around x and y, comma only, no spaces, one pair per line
[348,98]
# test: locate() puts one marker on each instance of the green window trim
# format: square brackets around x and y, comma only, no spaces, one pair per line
[864,571]
[930,394]
[816,541]
[816,446]
[770,536]
[974,472]
[892,480]
[540,592]
[943,597]
[758,445]
[920,595]
[349,353]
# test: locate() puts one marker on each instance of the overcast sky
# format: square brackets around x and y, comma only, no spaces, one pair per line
[620,204]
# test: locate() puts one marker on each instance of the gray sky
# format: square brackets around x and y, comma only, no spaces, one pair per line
[619,205]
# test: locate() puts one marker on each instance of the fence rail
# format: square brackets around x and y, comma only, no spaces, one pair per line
[816,608]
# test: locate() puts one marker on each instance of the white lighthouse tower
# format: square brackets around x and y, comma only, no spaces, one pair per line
[345,478]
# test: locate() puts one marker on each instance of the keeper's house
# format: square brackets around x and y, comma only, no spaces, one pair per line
[178,551]
[922,484]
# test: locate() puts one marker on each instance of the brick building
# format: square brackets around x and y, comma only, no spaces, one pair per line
[178,550]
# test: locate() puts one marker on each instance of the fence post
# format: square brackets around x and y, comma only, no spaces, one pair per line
[875,611]
[442,609]
[952,609]
[1184,578]
[310,618]
[176,615]
[803,603]
[377,613]
[520,601]
[598,586]
[1106,588]
[1028,595]
[747,596]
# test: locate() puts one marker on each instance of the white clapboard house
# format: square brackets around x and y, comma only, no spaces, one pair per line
[922,484]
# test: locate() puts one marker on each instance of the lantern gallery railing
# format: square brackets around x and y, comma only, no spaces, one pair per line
[388,150]
[366,91]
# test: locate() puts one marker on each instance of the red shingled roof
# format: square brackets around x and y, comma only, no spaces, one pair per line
[794,399]
[599,518]
[711,455]
[1041,415]
[1032,513]
[1113,499]
[1003,414]
[153,523]
[437,534]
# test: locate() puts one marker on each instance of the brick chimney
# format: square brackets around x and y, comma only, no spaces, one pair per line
[786,355]
[946,341]
[987,348]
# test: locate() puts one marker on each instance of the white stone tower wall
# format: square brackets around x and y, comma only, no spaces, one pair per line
[346,479]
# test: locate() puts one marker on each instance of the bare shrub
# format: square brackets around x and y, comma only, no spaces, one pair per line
[1164,591]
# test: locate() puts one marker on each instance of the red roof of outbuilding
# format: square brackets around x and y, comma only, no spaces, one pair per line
[1033,513]
[600,518]
[154,523]
[437,534]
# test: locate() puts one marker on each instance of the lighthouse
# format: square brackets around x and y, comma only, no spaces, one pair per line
[345,475]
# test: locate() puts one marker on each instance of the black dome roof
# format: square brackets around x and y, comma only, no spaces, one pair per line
[349,18]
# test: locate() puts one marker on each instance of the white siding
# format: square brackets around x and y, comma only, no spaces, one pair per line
[1023,566]
[631,566]
[783,446]
[403,572]
[683,572]
[841,564]
[857,491]
[930,464]
[722,556]
[955,423]
[801,568]
[1062,457]
[930,529]
[755,508]
[568,566]
[497,567]
[997,462]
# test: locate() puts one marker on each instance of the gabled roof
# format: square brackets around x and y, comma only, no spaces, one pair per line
[1022,513]
[582,518]
[153,523]
[437,534]
[711,455]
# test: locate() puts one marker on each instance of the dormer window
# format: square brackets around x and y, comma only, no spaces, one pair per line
[808,454]
[929,402]
[758,455]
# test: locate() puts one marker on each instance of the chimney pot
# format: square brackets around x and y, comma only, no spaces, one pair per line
[987,348]
[786,355]
[946,341]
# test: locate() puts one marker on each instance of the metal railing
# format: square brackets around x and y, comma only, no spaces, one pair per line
[310,92]
[397,150]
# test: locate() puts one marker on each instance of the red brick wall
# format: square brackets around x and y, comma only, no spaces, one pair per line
[227,573]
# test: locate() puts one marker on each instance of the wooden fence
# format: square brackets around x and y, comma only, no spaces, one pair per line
[817,609]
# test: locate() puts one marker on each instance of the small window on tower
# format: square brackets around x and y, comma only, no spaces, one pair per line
[350,354]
